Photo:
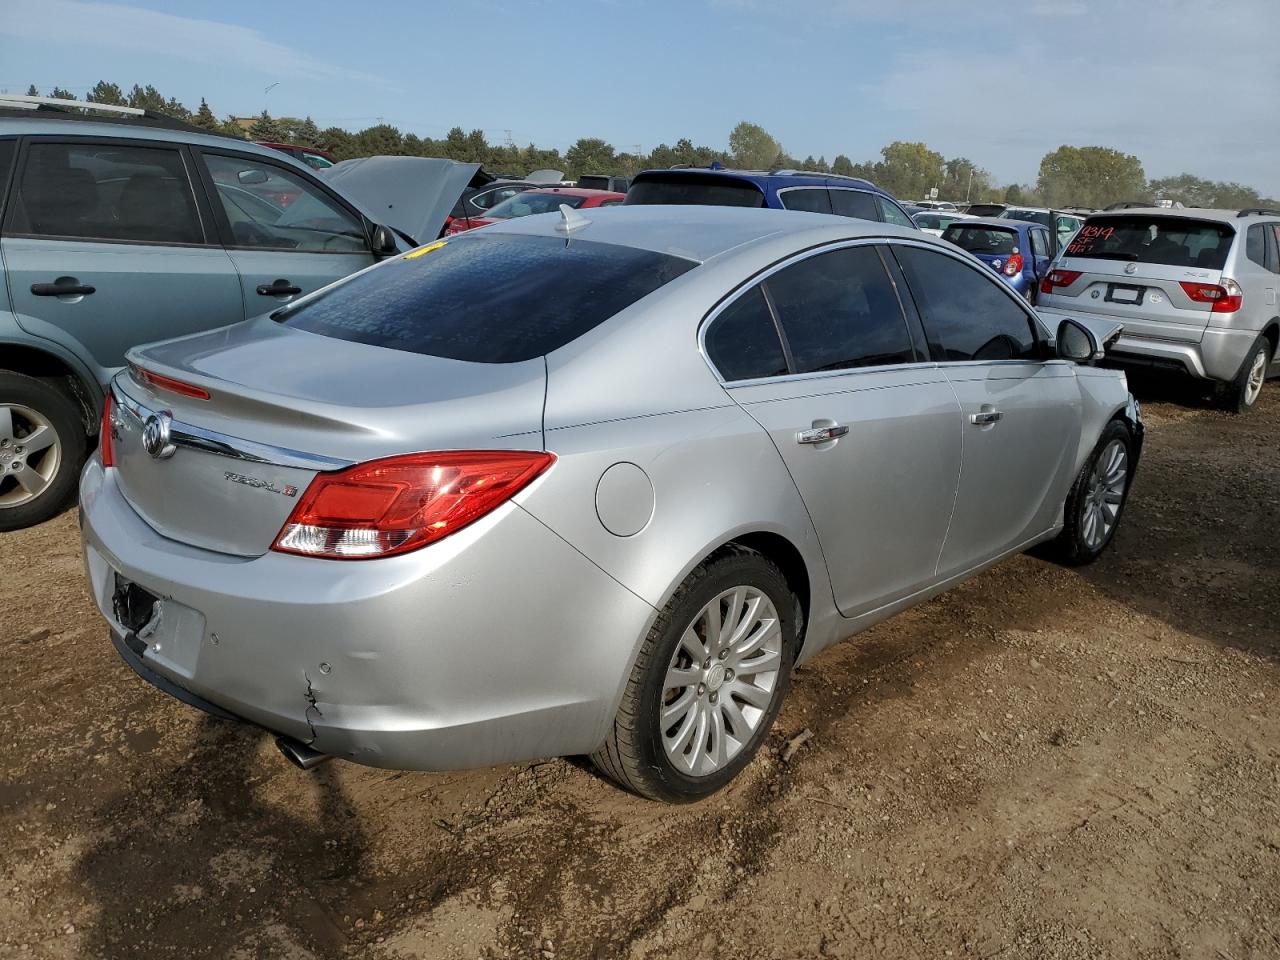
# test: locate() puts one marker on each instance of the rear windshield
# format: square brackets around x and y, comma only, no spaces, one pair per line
[1172,241]
[982,240]
[1030,216]
[711,190]
[530,202]
[493,298]
[986,209]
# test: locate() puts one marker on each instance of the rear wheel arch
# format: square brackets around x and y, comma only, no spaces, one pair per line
[60,373]
[1272,333]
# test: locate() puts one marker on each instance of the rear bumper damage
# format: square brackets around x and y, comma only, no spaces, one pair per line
[500,643]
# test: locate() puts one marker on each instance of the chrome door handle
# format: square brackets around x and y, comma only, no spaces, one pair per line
[985,417]
[821,434]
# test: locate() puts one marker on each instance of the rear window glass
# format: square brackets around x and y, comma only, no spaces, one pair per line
[1172,241]
[986,209]
[981,240]
[487,299]
[711,190]
[1030,216]
[531,202]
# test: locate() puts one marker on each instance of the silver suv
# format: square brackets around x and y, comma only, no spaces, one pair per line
[1195,290]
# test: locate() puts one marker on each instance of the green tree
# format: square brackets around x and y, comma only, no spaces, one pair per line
[1090,177]
[265,128]
[104,92]
[229,128]
[591,155]
[204,117]
[1194,191]
[842,165]
[59,93]
[962,179]
[380,140]
[32,91]
[1013,195]
[908,170]
[146,98]
[337,141]
[753,148]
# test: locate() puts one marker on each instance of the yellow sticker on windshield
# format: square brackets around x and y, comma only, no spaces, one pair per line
[421,251]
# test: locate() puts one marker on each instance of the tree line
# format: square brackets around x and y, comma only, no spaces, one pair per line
[1070,176]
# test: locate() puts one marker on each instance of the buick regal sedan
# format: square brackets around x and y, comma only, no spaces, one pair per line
[587,485]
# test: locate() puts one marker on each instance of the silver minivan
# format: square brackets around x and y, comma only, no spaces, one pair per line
[1195,290]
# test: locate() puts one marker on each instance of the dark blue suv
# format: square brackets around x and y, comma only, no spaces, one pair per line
[781,189]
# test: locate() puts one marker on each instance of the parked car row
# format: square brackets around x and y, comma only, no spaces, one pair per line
[683,437]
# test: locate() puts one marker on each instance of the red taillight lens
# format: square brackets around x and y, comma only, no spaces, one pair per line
[399,504]
[1058,278]
[161,382]
[106,445]
[1226,298]
[1013,266]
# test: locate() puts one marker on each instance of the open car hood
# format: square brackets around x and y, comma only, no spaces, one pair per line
[413,195]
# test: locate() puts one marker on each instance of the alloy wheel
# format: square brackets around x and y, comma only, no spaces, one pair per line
[1105,494]
[1257,374]
[721,681]
[30,454]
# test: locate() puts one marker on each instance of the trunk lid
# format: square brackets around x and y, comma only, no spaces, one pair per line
[411,194]
[286,404]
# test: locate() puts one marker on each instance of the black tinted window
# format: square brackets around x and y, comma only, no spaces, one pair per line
[967,315]
[854,203]
[811,199]
[991,241]
[743,341]
[1172,241]
[839,310]
[492,298]
[106,192]
[1255,245]
[711,190]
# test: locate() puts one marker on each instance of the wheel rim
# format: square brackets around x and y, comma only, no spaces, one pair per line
[721,681]
[1105,494]
[1257,374]
[30,454]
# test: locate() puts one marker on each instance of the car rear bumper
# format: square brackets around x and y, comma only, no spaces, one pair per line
[1217,356]
[497,644]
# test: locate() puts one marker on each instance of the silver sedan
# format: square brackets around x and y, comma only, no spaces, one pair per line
[573,485]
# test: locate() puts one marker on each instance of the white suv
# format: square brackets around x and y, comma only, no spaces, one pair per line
[1196,290]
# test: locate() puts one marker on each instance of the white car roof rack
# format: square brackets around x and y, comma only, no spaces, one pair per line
[24,102]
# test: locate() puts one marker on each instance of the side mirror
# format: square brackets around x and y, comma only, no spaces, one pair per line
[384,241]
[1086,341]
[252,175]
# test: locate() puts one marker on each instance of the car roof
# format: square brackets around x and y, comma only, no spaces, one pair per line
[768,178]
[578,192]
[1184,213]
[703,232]
[1002,222]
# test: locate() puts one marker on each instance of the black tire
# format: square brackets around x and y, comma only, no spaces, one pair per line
[1072,546]
[1238,396]
[63,415]
[633,755]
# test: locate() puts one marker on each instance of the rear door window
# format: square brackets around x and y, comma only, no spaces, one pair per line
[891,213]
[966,311]
[101,191]
[810,199]
[1171,241]
[713,190]
[1273,247]
[1255,244]
[499,298]
[989,241]
[1040,243]
[8,150]
[838,311]
[854,203]
[743,341]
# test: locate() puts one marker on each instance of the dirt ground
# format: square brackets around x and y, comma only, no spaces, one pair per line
[1044,763]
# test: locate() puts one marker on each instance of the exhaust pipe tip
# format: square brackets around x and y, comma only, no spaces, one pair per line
[301,755]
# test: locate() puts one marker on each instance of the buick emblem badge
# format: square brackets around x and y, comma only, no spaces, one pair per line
[1130,268]
[155,436]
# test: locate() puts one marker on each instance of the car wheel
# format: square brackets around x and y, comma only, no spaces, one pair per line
[1240,395]
[42,447]
[708,681]
[1097,498]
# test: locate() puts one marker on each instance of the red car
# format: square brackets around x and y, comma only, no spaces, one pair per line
[543,200]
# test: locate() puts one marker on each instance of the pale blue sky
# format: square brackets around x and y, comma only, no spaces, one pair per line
[1185,85]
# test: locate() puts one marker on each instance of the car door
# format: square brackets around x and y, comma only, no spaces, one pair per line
[108,244]
[286,233]
[1020,409]
[1041,255]
[869,429]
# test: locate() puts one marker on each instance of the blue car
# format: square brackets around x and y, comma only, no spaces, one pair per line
[1019,251]
[780,189]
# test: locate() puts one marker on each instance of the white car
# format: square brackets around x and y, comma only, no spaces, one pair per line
[935,221]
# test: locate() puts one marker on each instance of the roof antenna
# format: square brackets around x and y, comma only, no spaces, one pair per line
[571,221]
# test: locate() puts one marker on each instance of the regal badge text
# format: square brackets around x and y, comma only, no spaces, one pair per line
[288,490]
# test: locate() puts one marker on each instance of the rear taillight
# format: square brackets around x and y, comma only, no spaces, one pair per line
[161,382]
[1013,266]
[106,444]
[399,504]
[1058,278]
[1226,298]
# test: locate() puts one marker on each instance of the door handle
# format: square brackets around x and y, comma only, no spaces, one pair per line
[62,287]
[281,288]
[822,434]
[985,417]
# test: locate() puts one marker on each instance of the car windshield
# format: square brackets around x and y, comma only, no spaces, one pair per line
[1030,216]
[1172,241]
[992,241]
[487,297]
[530,202]
[703,189]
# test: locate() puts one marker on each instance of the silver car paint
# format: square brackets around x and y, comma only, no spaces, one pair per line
[513,638]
